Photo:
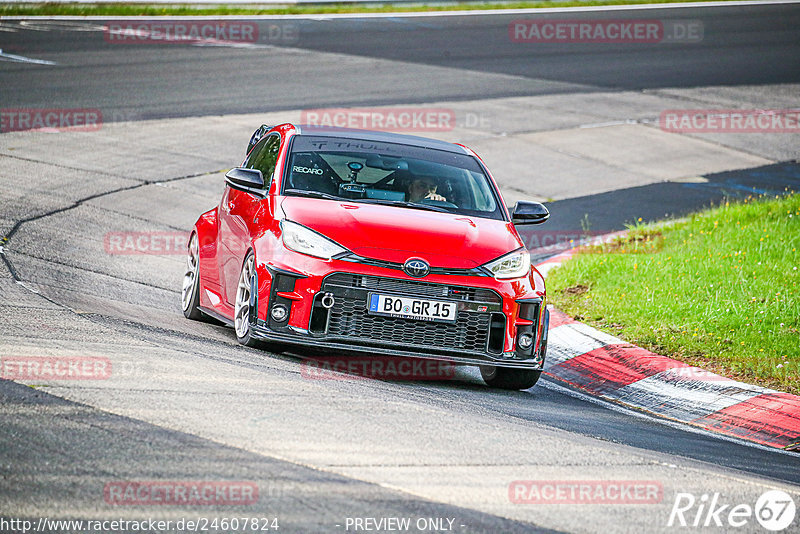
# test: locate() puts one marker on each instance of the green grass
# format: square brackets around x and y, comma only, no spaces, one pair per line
[153,10]
[719,290]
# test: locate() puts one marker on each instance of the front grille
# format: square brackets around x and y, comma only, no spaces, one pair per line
[414,289]
[475,271]
[349,317]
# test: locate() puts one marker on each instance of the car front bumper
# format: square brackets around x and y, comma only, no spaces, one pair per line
[328,310]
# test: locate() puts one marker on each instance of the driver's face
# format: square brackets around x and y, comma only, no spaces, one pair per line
[421,187]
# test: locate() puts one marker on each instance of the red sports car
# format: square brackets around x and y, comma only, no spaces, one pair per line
[371,242]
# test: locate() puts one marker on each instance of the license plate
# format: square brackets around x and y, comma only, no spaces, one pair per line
[412,308]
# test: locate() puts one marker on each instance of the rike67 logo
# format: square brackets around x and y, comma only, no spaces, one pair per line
[774,510]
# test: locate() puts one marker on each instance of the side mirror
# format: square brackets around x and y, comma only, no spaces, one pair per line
[529,213]
[245,179]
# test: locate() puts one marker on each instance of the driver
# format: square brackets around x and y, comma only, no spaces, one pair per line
[423,188]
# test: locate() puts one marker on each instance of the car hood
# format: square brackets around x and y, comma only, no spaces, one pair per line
[396,234]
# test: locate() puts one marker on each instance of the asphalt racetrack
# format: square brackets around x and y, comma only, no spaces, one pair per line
[572,124]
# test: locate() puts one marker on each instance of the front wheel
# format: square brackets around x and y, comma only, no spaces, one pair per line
[245,297]
[506,378]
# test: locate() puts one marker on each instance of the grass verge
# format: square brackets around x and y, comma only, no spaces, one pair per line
[154,10]
[720,290]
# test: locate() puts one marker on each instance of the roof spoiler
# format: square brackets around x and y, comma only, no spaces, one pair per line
[257,135]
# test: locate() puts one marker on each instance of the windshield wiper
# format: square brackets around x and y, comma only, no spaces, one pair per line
[312,194]
[403,204]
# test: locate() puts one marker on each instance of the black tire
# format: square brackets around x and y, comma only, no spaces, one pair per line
[190,294]
[506,378]
[244,300]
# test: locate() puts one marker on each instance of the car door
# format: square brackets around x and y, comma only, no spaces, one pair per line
[238,210]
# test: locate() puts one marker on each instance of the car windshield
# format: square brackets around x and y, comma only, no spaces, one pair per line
[389,173]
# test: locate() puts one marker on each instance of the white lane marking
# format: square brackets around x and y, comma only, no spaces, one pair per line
[686,400]
[530,11]
[230,44]
[592,333]
[26,286]
[698,374]
[545,268]
[46,25]
[618,123]
[575,339]
[22,59]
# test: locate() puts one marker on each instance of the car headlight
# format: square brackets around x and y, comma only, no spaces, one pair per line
[513,265]
[306,241]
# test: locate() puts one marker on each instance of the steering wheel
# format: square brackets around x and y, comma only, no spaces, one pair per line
[442,203]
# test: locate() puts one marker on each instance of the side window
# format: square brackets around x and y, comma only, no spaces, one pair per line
[264,157]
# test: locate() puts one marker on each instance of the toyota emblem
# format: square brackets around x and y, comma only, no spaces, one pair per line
[417,268]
